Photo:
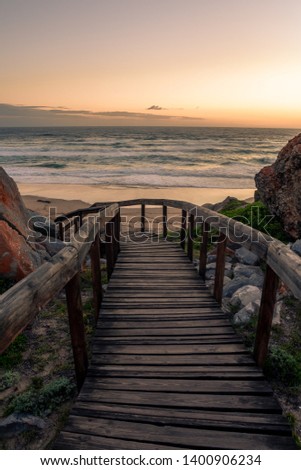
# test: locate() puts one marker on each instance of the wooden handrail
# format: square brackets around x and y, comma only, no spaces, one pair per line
[281,261]
[19,305]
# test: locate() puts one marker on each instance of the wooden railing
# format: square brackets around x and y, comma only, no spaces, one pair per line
[281,263]
[20,304]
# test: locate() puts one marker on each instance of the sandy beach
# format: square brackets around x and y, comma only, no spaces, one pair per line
[39,197]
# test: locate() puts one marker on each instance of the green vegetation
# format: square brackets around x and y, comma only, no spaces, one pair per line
[258,216]
[8,379]
[248,332]
[284,366]
[13,354]
[293,422]
[41,400]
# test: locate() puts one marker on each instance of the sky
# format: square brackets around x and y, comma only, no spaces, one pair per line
[150,62]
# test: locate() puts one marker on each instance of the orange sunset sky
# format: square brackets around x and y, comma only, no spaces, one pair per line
[150,62]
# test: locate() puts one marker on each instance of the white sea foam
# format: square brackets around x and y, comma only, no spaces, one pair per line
[195,157]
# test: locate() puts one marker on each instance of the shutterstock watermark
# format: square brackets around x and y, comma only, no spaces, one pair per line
[135,230]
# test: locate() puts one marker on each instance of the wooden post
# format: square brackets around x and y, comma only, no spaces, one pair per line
[115,238]
[76,224]
[190,237]
[183,229]
[203,250]
[61,231]
[109,248]
[164,222]
[220,268]
[96,276]
[265,316]
[77,329]
[142,218]
[117,233]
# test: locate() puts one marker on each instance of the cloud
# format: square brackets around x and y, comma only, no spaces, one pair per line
[46,115]
[154,107]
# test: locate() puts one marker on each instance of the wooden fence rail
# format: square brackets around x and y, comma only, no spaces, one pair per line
[19,305]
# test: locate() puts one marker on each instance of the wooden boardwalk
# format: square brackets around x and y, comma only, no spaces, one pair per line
[168,371]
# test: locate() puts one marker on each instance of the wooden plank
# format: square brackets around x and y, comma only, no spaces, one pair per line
[173,359]
[165,340]
[169,350]
[196,401]
[73,440]
[250,422]
[212,372]
[145,322]
[199,311]
[220,387]
[173,435]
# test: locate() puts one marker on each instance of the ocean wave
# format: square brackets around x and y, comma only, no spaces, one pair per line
[196,157]
[51,165]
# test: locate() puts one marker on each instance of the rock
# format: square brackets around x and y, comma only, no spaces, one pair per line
[227,280]
[211,259]
[17,423]
[210,274]
[246,271]
[246,313]
[296,247]
[17,258]
[226,203]
[228,266]
[245,295]
[233,286]
[42,225]
[12,208]
[256,280]
[20,253]
[53,246]
[246,256]
[279,187]
[277,312]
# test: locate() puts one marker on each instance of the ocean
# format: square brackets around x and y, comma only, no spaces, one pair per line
[140,156]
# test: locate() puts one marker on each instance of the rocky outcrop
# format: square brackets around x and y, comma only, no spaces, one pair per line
[279,187]
[20,254]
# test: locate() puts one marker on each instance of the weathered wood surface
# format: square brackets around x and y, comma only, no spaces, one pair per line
[265,316]
[220,268]
[168,371]
[284,262]
[20,304]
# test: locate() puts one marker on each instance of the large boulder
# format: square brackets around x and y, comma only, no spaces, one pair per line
[245,295]
[20,254]
[245,314]
[245,256]
[279,187]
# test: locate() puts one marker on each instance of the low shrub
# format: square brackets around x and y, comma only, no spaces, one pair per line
[42,400]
